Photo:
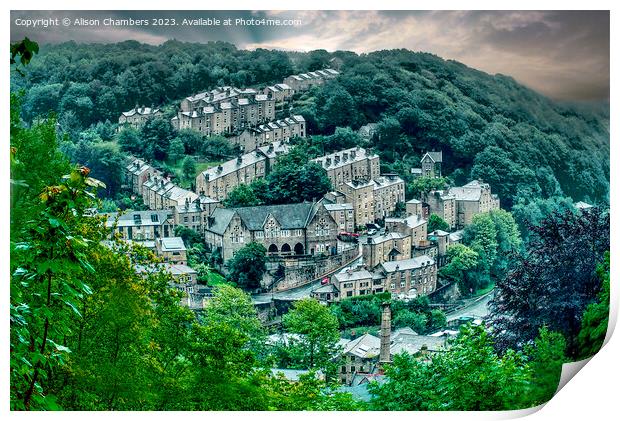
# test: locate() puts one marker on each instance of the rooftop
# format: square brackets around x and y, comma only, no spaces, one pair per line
[171,244]
[413,263]
[137,218]
[356,275]
[344,157]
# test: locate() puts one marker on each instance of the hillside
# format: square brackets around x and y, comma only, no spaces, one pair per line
[524,144]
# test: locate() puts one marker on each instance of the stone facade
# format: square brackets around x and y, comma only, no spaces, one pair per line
[413,226]
[354,164]
[386,248]
[443,204]
[137,116]
[193,214]
[284,230]
[217,182]
[361,196]
[304,81]
[431,164]
[388,190]
[274,131]
[353,283]
[343,214]
[471,199]
[224,110]
[141,225]
[137,173]
[410,278]
[172,250]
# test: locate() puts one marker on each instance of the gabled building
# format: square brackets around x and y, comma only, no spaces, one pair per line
[431,164]
[389,247]
[285,230]
[172,250]
[282,130]
[410,278]
[137,173]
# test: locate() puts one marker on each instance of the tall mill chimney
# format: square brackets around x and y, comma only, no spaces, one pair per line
[386,330]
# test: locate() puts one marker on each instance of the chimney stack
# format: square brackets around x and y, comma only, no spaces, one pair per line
[386,330]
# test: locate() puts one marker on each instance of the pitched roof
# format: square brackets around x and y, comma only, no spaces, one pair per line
[137,218]
[413,263]
[293,216]
[412,344]
[221,218]
[366,346]
[352,276]
[434,156]
[386,237]
[469,192]
[171,244]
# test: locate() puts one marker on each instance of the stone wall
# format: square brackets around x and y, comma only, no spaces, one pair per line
[292,272]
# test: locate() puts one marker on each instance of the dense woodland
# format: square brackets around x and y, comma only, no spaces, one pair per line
[89,333]
[526,146]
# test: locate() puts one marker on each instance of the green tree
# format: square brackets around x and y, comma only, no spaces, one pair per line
[318,330]
[468,376]
[248,265]
[546,356]
[461,261]
[188,168]
[436,222]
[240,196]
[423,185]
[596,317]
[129,140]
[176,150]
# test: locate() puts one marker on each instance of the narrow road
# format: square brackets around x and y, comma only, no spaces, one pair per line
[476,308]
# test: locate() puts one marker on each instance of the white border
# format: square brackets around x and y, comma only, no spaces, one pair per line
[590,395]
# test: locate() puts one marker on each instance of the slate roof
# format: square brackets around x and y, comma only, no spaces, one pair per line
[338,206]
[329,161]
[412,344]
[469,192]
[434,156]
[413,263]
[456,236]
[129,219]
[221,218]
[294,216]
[386,237]
[412,221]
[353,276]
[366,346]
[172,244]
[141,111]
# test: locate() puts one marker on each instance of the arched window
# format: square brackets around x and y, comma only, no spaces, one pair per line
[286,248]
[273,248]
[299,248]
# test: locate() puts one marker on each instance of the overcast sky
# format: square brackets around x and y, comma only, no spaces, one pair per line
[563,54]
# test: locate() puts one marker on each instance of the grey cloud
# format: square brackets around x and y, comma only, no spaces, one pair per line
[563,54]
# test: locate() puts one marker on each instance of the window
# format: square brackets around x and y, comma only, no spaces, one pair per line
[392,285]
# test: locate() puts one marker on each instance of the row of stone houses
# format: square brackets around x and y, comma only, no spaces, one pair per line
[355,177]
[137,116]
[226,116]
[274,131]
[159,193]
[304,81]
[354,164]
[217,182]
